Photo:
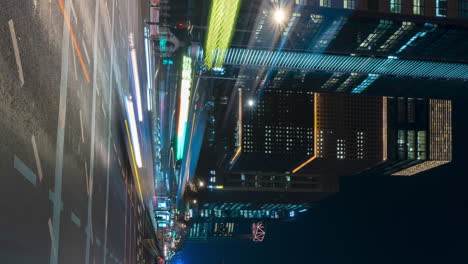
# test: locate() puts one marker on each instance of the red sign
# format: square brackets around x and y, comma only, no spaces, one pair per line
[154,17]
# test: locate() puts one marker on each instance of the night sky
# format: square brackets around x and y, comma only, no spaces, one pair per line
[419,219]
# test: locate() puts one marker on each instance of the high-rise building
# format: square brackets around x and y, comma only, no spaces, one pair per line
[286,129]
[418,136]
[423,136]
[381,47]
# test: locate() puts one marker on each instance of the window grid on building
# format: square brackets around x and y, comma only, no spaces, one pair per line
[405,27]
[349,4]
[441,8]
[340,149]
[440,129]
[418,7]
[326,3]
[360,145]
[463,8]
[395,6]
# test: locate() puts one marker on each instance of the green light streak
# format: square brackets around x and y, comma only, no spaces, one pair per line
[223,16]
[184,102]
[181,143]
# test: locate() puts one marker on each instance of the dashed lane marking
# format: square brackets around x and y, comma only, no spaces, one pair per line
[85,50]
[75,219]
[54,250]
[24,170]
[74,65]
[103,111]
[38,160]
[81,125]
[16,50]
[73,12]
[86,176]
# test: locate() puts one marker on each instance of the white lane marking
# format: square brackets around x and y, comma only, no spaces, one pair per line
[103,111]
[56,196]
[16,50]
[81,125]
[75,219]
[74,64]
[86,176]
[73,12]
[24,170]
[49,223]
[85,50]
[38,160]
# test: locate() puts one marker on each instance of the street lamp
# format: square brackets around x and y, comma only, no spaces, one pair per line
[201,184]
[250,102]
[279,16]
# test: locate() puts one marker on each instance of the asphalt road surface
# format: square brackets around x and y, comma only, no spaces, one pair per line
[66,194]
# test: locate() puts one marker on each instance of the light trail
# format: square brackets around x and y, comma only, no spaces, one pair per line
[75,43]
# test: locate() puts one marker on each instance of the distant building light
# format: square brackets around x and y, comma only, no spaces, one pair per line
[215,186]
[212,179]
[218,69]
[162,205]
[212,172]
[303,210]
[292,213]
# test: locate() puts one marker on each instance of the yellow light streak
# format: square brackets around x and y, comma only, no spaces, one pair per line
[315,138]
[135,168]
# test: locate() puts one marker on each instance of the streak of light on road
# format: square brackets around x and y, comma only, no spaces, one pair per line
[75,43]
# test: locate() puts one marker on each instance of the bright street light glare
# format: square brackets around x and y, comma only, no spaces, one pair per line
[279,16]
[201,184]
[251,102]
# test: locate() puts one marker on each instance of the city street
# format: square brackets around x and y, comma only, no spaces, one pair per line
[68,194]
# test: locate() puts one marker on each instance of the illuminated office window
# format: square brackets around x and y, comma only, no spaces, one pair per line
[463,8]
[405,27]
[325,3]
[349,4]
[441,8]
[401,142]
[373,37]
[340,148]
[411,145]
[395,6]
[418,7]
[422,148]
[360,144]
